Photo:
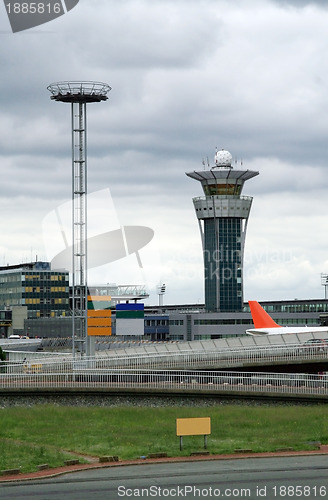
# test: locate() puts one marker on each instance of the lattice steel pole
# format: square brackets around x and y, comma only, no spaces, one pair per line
[78,94]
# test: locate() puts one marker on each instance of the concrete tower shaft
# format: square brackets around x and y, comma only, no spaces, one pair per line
[222,216]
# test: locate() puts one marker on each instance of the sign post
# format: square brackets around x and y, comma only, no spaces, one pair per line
[193,427]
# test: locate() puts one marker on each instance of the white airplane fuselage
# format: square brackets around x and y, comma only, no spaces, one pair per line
[265,325]
[283,330]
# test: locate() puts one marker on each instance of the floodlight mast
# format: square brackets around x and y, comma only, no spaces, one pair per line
[79,94]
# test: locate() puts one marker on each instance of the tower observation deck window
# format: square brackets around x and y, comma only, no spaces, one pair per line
[222,189]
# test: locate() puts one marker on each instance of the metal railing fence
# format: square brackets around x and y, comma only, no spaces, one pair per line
[80,377]
[225,358]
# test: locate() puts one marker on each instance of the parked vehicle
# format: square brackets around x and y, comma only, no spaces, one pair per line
[315,345]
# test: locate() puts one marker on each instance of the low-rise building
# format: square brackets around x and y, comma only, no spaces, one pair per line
[44,292]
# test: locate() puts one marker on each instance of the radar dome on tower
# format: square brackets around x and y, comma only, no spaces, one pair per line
[223,158]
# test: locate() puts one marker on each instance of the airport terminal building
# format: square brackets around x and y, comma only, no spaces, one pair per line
[36,287]
[194,324]
[37,301]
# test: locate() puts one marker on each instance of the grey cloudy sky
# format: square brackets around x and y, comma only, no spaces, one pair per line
[187,76]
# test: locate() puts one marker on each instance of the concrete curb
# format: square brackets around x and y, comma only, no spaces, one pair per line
[50,473]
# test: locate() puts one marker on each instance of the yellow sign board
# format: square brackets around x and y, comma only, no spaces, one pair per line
[99,315]
[194,426]
[33,368]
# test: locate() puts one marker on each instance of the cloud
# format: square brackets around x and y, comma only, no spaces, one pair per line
[186,77]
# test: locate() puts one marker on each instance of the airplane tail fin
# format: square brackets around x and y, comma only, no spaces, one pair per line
[261,318]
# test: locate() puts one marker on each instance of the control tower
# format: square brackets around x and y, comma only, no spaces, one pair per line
[222,217]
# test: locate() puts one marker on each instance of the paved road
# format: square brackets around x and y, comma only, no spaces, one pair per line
[252,478]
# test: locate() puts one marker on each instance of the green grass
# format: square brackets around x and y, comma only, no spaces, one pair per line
[51,434]
[27,457]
